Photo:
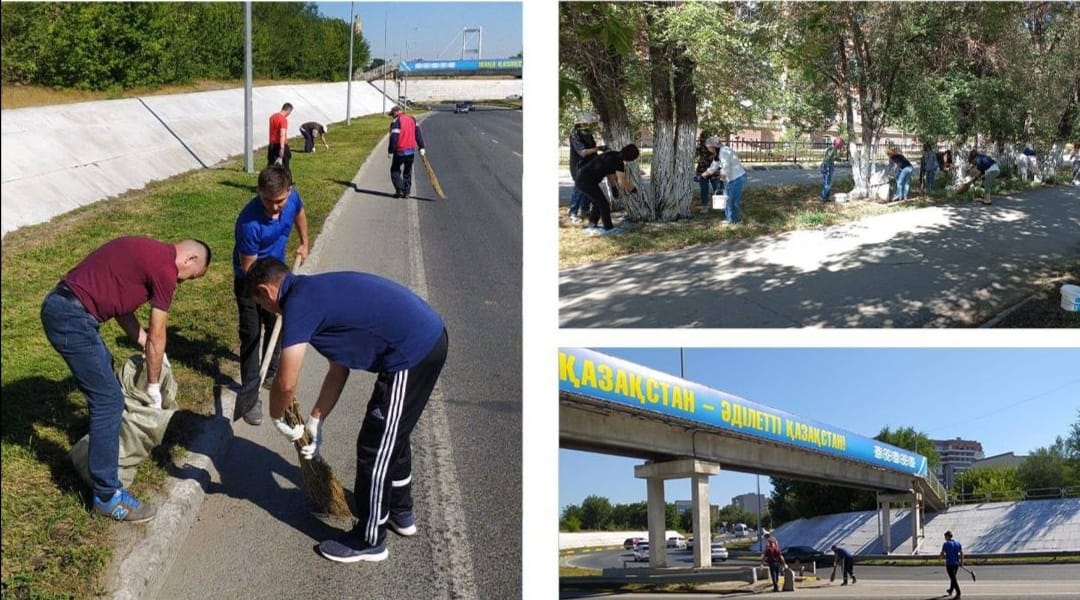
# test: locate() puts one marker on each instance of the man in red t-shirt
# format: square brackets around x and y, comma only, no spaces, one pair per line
[112,283]
[279,153]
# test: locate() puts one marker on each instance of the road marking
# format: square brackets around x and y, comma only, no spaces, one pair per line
[452,553]
[517,154]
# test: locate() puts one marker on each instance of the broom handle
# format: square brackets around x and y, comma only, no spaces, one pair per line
[273,337]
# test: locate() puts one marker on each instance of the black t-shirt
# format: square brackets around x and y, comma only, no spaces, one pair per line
[594,171]
[900,162]
[314,127]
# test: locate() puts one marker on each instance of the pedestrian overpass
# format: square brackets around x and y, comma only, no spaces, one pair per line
[686,430]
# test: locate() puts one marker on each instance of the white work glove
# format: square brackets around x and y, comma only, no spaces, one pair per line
[423,152]
[314,431]
[154,391]
[291,433]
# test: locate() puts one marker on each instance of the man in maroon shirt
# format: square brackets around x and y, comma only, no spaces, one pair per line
[112,283]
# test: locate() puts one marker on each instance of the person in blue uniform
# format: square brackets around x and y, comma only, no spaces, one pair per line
[847,562]
[357,321]
[953,553]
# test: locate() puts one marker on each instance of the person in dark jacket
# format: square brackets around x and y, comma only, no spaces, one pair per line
[846,561]
[610,165]
[405,141]
[705,157]
[583,148]
[901,166]
[987,169]
[311,129]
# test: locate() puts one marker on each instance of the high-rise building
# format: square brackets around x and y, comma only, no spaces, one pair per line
[955,456]
[749,502]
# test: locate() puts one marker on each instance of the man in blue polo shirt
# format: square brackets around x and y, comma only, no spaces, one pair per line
[262,230]
[954,559]
[358,321]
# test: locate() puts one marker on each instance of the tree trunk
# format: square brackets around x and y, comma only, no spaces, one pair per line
[661,175]
[685,133]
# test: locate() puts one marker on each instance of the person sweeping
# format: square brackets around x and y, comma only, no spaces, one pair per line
[357,321]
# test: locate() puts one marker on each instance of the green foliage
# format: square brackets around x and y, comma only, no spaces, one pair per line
[104,45]
[998,483]
[596,513]
[909,439]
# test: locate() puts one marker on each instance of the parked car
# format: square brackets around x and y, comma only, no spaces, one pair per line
[676,541]
[461,107]
[719,551]
[514,97]
[641,553]
[470,105]
[404,101]
[804,554]
[632,543]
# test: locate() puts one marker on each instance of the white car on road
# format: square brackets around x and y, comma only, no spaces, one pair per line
[641,553]
[719,551]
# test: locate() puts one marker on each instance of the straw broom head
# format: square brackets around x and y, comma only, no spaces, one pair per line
[322,485]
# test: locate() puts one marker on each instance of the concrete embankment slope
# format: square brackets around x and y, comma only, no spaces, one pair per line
[58,158]
[989,528]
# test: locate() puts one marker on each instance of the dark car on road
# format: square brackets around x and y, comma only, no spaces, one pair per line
[633,542]
[461,107]
[805,555]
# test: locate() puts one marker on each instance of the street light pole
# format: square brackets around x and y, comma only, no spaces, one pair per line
[384,63]
[249,144]
[354,24]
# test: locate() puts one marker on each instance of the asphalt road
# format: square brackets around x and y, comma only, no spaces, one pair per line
[939,266]
[256,534]
[1000,582]
[617,559]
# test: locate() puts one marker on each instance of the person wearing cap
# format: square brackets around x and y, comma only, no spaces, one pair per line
[309,130]
[988,170]
[846,562]
[727,165]
[405,142]
[610,165]
[278,152]
[827,165]
[901,166]
[953,553]
[583,148]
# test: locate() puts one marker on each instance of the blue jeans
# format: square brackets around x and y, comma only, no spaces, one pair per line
[903,183]
[579,204]
[73,332]
[703,188]
[734,190]
[931,176]
[774,574]
[826,183]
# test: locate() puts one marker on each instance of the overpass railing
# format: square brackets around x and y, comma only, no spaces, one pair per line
[1015,495]
[379,71]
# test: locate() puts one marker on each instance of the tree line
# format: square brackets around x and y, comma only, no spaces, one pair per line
[597,513]
[107,45]
[971,74]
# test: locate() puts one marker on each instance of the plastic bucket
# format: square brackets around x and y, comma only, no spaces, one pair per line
[719,201]
[1070,297]
[840,198]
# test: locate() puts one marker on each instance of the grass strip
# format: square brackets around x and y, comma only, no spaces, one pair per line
[53,546]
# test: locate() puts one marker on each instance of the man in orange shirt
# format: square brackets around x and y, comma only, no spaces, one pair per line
[278,153]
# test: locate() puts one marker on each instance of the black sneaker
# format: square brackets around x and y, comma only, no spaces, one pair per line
[402,523]
[350,548]
[125,507]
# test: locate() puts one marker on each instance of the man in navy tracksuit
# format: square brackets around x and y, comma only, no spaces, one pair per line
[405,140]
[358,321]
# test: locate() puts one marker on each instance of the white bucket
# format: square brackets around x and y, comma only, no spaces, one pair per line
[1070,297]
[840,198]
[719,201]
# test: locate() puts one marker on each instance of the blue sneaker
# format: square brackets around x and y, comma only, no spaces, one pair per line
[125,507]
[350,548]
[402,523]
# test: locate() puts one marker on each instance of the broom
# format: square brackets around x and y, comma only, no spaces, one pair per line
[970,572]
[431,175]
[322,486]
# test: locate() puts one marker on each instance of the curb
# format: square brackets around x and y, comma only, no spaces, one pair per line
[1004,314]
[141,572]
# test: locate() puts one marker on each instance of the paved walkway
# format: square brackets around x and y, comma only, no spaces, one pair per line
[940,266]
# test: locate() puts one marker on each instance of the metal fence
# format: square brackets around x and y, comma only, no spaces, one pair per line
[808,152]
[1015,495]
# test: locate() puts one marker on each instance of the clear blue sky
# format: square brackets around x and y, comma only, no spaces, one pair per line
[1012,399]
[438,27]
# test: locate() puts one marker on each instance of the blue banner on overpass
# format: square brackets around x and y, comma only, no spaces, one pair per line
[592,374]
[486,64]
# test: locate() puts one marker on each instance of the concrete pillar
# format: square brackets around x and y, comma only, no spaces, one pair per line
[699,486]
[656,473]
[657,512]
[917,533]
[885,512]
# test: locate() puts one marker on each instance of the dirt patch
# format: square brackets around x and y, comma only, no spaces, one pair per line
[1043,308]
